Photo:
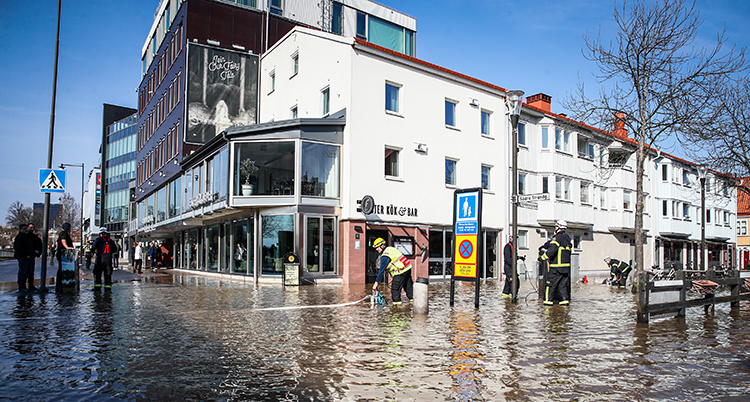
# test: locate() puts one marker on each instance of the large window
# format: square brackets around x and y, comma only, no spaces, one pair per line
[277,7]
[211,246]
[175,197]
[450,171]
[391,97]
[273,172]
[562,188]
[243,255]
[278,239]
[585,192]
[391,162]
[450,113]
[337,24]
[558,139]
[161,204]
[219,170]
[545,137]
[585,148]
[320,169]
[379,32]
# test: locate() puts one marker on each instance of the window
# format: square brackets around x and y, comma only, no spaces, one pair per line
[585,148]
[686,211]
[272,172]
[326,100]
[450,171]
[337,23]
[523,241]
[386,34]
[585,192]
[295,64]
[272,77]
[294,111]
[742,228]
[613,199]
[558,139]
[675,174]
[675,208]
[626,204]
[664,173]
[708,216]
[545,185]
[450,113]
[522,183]
[522,134]
[602,198]
[726,218]
[708,185]
[566,141]
[545,137]
[391,162]
[486,122]
[391,98]
[685,178]
[562,188]
[486,170]
[320,169]
[362,26]
[276,7]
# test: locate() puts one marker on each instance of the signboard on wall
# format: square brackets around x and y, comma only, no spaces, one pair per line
[222,88]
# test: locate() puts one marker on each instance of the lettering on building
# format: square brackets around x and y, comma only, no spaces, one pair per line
[368,206]
[202,199]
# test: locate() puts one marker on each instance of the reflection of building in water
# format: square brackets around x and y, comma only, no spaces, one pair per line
[464,335]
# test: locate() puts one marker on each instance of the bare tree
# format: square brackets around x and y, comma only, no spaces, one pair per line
[69,212]
[18,214]
[653,82]
[720,138]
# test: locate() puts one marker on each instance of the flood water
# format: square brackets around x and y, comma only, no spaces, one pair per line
[193,338]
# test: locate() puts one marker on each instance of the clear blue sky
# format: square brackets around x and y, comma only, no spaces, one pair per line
[534,46]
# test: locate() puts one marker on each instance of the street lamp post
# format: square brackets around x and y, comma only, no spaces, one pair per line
[702,170]
[514,99]
[80,225]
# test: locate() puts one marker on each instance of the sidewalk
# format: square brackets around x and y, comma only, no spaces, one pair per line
[9,274]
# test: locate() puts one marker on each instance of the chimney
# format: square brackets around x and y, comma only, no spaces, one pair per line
[620,131]
[540,101]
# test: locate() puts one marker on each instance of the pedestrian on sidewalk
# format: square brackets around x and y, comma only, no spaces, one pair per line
[138,258]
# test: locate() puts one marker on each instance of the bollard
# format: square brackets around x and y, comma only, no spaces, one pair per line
[421,304]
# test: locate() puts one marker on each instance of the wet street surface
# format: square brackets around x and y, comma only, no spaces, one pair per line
[194,338]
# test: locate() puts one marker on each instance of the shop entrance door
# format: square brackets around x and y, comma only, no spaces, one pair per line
[371,255]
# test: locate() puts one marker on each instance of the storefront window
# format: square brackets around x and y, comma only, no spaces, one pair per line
[141,212]
[188,190]
[328,245]
[175,194]
[191,252]
[226,264]
[313,244]
[150,208]
[243,250]
[320,170]
[212,248]
[219,173]
[161,203]
[275,168]
[278,239]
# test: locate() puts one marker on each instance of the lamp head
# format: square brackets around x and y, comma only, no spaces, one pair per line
[514,100]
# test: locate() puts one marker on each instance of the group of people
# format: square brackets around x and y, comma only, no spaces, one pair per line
[153,253]
[27,247]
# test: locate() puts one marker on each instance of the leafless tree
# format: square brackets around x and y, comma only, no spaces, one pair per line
[653,80]
[720,138]
[69,212]
[19,214]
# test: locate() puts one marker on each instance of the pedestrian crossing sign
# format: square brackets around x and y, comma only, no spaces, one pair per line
[52,180]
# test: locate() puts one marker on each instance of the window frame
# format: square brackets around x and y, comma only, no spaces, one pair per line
[397,88]
[454,174]
[295,64]
[397,152]
[454,105]
[272,78]
[482,125]
[488,186]
[326,100]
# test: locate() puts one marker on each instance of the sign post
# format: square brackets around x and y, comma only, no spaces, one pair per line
[467,239]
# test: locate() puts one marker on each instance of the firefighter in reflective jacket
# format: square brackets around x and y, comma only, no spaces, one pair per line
[618,271]
[558,274]
[105,249]
[400,269]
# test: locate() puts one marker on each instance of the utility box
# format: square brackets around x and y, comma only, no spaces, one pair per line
[292,270]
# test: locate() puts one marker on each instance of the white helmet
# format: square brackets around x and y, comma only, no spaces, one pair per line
[561,224]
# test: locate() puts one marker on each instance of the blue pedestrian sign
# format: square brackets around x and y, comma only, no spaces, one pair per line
[52,180]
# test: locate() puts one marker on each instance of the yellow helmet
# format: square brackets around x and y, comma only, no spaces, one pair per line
[378,242]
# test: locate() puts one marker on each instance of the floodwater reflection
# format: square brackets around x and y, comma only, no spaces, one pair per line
[187,337]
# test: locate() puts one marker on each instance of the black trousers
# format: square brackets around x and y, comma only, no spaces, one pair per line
[557,285]
[103,268]
[508,273]
[402,281]
[25,272]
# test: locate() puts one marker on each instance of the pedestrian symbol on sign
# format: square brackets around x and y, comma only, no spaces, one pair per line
[51,181]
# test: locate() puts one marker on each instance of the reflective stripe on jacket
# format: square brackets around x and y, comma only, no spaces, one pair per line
[399,263]
[559,251]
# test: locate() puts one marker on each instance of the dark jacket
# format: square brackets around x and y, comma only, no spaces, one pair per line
[507,258]
[104,250]
[27,245]
[558,253]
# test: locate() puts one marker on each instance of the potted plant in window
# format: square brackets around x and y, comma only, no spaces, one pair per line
[247,168]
